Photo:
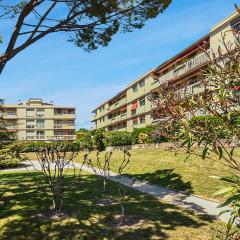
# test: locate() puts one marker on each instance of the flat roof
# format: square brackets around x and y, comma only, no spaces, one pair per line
[226,20]
[124,90]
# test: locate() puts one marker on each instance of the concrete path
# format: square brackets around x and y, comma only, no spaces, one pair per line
[180,199]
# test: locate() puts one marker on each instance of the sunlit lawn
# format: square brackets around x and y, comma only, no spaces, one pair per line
[170,170]
[147,218]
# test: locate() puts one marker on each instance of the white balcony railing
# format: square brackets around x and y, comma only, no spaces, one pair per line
[40,126]
[60,126]
[185,67]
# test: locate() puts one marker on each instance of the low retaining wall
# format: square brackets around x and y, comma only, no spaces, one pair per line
[144,146]
[165,145]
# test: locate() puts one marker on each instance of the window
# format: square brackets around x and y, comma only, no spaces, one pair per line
[193,80]
[40,134]
[40,123]
[134,112]
[70,122]
[142,119]
[30,124]
[70,111]
[142,101]
[135,121]
[142,83]
[30,112]
[58,111]
[135,88]
[236,24]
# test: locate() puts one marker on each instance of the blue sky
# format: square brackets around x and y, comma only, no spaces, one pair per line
[56,70]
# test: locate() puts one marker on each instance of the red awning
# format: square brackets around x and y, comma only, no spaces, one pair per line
[123,109]
[134,106]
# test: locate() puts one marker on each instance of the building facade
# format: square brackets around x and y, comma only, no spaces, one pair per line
[39,121]
[131,107]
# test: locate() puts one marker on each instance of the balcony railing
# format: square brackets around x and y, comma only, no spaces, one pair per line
[185,67]
[117,104]
[39,115]
[9,115]
[42,137]
[30,126]
[40,126]
[60,126]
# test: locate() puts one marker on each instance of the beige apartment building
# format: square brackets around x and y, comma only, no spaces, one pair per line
[131,107]
[40,121]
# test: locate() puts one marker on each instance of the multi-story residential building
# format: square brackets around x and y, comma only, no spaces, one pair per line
[131,107]
[37,120]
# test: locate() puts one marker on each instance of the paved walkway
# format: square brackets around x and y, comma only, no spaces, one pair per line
[180,199]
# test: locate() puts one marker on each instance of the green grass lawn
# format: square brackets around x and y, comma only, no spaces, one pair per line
[173,171]
[21,202]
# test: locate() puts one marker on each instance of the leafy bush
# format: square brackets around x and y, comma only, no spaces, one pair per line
[135,134]
[37,146]
[211,123]
[9,163]
[143,138]
[158,138]
[99,139]
[118,139]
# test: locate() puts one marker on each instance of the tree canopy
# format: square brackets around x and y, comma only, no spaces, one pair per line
[88,23]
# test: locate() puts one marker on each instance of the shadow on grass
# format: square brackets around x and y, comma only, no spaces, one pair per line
[166,178]
[23,201]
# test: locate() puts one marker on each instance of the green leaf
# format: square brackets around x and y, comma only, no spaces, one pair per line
[204,152]
[220,152]
[224,190]
[228,201]
[230,223]
[223,212]
[226,179]
[1,40]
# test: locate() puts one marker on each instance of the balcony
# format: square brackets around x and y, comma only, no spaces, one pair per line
[38,115]
[30,126]
[117,104]
[40,126]
[118,118]
[64,115]
[185,67]
[40,137]
[64,126]
[9,115]
[191,89]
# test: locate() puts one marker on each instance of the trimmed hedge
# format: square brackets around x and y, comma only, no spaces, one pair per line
[37,146]
[118,139]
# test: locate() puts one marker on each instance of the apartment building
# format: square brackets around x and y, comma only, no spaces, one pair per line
[131,107]
[40,121]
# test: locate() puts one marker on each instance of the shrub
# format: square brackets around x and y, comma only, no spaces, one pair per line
[9,163]
[143,138]
[99,139]
[118,139]
[210,122]
[86,142]
[36,146]
[135,134]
